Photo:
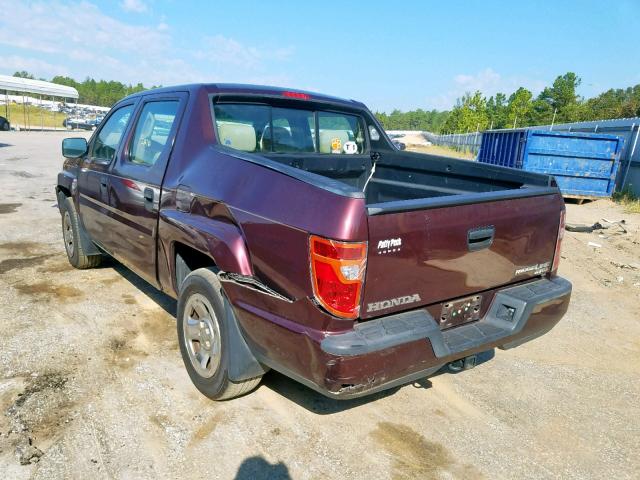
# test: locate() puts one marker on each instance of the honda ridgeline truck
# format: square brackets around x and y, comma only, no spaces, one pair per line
[295,236]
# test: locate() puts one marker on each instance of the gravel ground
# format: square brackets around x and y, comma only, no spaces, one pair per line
[92,383]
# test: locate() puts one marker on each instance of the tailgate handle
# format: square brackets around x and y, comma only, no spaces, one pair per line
[479,238]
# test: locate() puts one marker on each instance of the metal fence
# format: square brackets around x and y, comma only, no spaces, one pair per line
[462,142]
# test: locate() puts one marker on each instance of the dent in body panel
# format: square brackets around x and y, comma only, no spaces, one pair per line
[214,237]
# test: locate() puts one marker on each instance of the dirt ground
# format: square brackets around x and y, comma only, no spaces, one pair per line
[416,142]
[92,384]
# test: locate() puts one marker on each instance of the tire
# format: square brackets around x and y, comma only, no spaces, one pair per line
[6,126]
[203,332]
[71,236]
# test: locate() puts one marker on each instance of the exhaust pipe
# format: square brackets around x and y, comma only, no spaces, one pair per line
[466,363]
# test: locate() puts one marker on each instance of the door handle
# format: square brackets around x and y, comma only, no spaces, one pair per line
[479,238]
[148,200]
[103,182]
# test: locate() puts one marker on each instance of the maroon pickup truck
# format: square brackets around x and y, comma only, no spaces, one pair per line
[295,236]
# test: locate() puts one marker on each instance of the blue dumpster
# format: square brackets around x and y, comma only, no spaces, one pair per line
[584,164]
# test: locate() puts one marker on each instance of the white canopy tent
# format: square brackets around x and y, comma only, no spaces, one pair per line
[37,87]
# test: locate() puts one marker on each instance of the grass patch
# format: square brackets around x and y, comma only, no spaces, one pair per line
[32,116]
[628,200]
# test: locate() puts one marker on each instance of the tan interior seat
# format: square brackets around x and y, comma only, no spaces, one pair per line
[240,136]
[328,136]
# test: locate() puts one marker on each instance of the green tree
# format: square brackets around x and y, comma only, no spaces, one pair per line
[562,98]
[101,92]
[23,74]
[413,120]
[497,111]
[520,108]
[469,114]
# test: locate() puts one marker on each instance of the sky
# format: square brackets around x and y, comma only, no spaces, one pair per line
[406,55]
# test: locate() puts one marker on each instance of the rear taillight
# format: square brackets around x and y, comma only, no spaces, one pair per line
[337,274]
[556,254]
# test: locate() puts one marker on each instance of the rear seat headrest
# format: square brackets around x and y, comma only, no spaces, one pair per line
[240,136]
[327,137]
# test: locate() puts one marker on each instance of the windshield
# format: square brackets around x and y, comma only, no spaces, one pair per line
[263,128]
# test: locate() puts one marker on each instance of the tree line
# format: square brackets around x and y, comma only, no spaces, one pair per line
[557,103]
[429,120]
[103,93]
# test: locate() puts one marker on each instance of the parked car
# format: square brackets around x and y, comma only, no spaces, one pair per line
[80,123]
[4,124]
[295,236]
[399,145]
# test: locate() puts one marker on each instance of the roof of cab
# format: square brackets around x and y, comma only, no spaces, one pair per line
[246,89]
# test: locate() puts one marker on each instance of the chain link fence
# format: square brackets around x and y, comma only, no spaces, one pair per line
[461,142]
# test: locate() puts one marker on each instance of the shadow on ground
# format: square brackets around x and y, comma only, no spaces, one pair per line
[167,303]
[319,404]
[257,468]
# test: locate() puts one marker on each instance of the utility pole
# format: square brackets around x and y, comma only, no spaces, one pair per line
[475,139]
[515,121]
[553,120]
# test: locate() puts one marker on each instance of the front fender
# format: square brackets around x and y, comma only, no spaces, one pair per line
[65,183]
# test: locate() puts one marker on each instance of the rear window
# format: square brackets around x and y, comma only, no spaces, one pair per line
[267,129]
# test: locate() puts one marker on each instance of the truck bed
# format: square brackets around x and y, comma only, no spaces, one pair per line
[441,228]
[407,180]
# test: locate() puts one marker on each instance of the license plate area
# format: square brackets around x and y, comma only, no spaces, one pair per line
[460,311]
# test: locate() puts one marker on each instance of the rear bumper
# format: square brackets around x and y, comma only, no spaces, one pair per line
[397,349]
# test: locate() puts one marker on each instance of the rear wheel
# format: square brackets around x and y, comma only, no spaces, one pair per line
[71,236]
[202,333]
[5,126]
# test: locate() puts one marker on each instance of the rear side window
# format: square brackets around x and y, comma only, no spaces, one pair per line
[266,129]
[152,132]
[241,126]
[340,133]
[109,136]
[291,131]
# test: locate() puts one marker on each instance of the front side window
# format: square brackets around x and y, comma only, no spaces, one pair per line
[152,132]
[108,139]
[266,129]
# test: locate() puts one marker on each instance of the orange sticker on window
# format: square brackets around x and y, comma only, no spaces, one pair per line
[336,145]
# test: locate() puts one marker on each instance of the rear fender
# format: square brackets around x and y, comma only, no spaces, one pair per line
[224,243]
[219,239]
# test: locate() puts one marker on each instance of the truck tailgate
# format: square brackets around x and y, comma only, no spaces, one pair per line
[421,257]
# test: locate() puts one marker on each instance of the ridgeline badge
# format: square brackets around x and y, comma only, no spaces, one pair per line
[537,269]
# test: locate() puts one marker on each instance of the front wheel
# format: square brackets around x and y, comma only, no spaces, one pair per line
[71,235]
[202,333]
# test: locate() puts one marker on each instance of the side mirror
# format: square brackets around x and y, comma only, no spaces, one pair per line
[74,147]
